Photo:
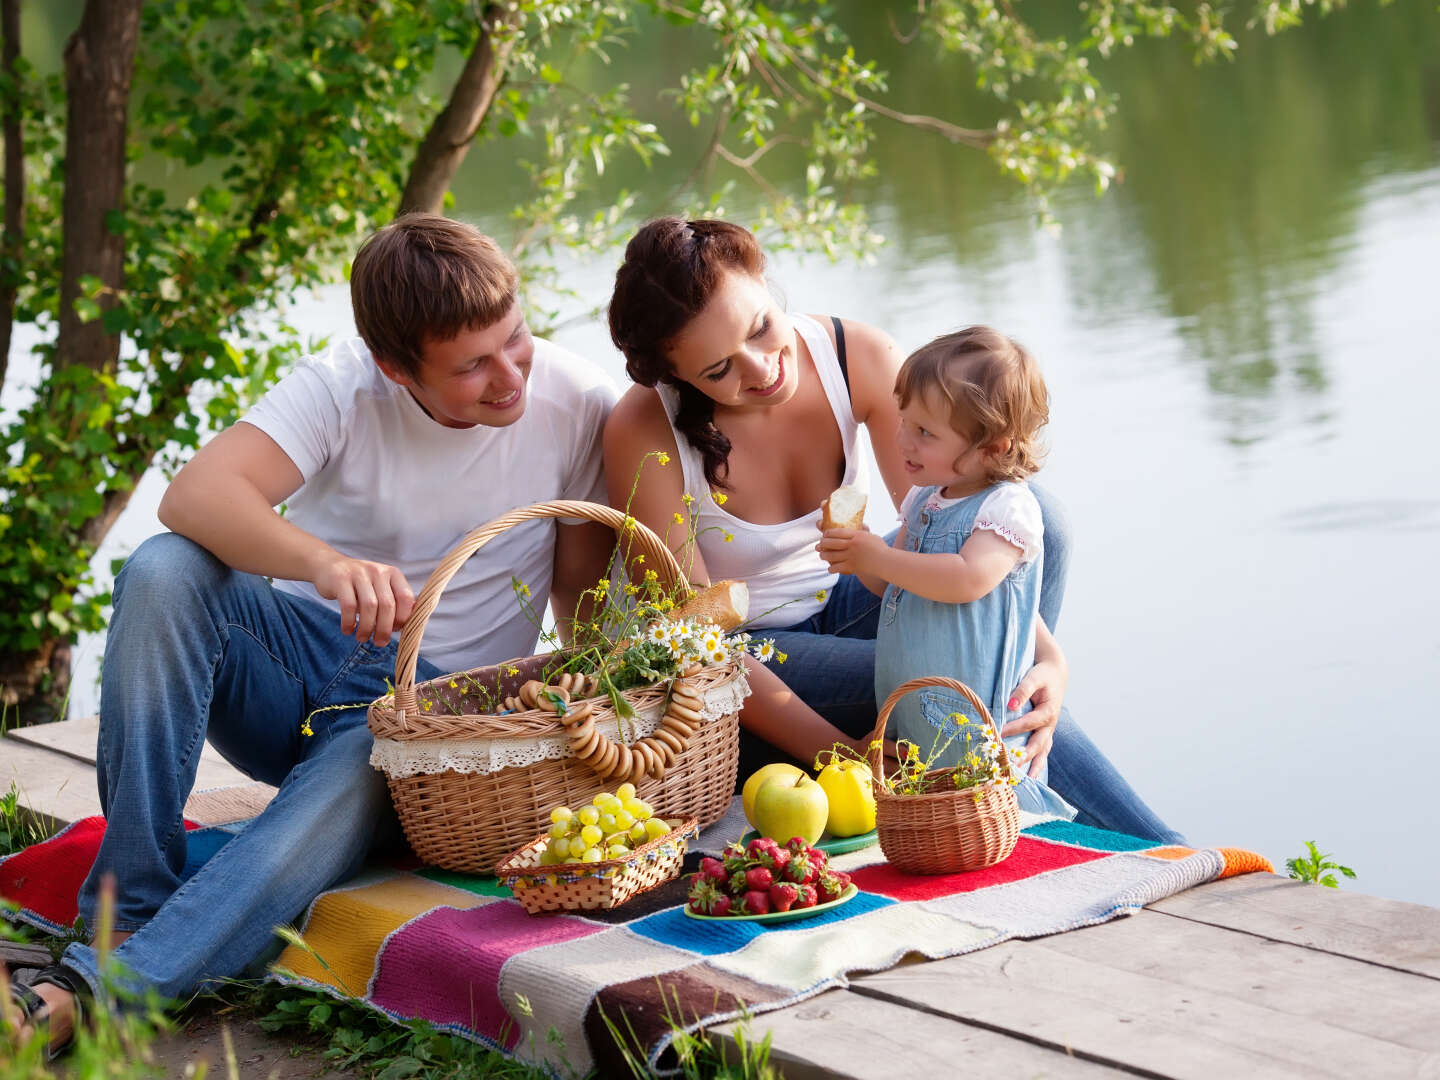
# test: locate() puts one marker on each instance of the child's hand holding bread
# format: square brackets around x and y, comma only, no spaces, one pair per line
[847,545]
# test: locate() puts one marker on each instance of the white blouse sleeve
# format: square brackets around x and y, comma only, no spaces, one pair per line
[1011,511]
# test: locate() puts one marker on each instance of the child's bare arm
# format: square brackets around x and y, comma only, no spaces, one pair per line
[980,565]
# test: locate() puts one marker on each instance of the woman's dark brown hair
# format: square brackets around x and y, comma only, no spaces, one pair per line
[672,269]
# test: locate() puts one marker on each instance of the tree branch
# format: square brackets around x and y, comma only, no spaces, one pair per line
[450,136]
[969,136]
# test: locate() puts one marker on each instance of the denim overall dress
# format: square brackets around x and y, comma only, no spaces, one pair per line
[988,644]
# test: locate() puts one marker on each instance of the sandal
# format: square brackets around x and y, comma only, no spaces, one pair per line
[32,1006]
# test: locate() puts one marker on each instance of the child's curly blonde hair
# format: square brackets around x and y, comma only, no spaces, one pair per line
[994,392]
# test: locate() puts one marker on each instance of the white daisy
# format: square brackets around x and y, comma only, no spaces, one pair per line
[765,651]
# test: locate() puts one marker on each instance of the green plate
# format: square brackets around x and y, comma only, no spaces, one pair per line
[782,916]
[832,845]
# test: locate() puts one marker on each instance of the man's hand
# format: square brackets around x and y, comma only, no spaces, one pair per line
[852,551]
[375,599]
[1044,687]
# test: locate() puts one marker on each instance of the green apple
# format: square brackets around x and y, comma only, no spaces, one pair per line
[791,807]
[757,780]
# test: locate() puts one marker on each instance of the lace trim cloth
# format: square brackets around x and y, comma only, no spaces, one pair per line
[416,757]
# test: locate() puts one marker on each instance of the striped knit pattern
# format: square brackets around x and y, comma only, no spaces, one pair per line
[458,952]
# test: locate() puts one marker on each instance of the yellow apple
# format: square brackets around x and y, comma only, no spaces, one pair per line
[758,778]
[848,786]
[786,808]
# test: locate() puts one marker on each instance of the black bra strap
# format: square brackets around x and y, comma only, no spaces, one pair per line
[840,350]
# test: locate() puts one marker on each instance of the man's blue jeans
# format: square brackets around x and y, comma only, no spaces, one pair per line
[830,665]
[196,648]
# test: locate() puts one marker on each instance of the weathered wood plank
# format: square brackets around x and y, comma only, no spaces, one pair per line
[56,788]
[1390,932]
[1182,999]
[840,1034]
[77,738]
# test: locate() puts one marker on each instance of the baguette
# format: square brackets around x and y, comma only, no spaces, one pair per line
[844,509]
[726,603]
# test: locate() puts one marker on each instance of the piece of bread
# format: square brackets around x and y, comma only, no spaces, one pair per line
[844,509]
[726,603]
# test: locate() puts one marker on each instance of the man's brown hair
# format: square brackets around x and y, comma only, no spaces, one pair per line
[424,278]
[993,390]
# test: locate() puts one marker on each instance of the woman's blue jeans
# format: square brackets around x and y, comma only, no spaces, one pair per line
[198,649]
[830,665]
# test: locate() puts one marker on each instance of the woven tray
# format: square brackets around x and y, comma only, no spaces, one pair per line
[605,884]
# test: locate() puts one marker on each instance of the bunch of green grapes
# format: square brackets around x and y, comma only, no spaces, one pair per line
[608,827]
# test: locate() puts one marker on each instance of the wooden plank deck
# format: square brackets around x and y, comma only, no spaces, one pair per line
[1253,976]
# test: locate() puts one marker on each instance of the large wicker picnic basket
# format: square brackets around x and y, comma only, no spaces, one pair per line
[471,785]
[946,830]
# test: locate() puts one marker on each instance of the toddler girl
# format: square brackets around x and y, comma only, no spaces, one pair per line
[961,582]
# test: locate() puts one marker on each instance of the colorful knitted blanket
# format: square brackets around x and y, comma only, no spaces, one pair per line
[457,951]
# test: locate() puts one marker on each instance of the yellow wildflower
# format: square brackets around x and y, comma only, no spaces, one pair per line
[666,605]
[687,498]
[630,523]
[631,590]
[663,458]
[679,520]
[512,670]
[638,559]
[454,685]
[781,657]
[651,575]
[820,595]
[729,537]
[719,497]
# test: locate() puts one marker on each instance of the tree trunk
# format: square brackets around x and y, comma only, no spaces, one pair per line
[448,140]
[99,62]
[12,241]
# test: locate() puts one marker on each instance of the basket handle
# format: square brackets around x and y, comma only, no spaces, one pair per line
[407,655]
[876,756]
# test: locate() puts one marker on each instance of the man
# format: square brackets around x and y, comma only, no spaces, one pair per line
[384,452]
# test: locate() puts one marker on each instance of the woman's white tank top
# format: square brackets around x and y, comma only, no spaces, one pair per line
[778,562]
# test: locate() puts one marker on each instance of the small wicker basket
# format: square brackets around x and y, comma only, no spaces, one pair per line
[467,821]
[604,884]
[944,832]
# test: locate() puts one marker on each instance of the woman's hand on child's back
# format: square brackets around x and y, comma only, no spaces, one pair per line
[1044,688]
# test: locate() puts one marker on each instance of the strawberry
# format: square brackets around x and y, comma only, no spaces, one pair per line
[828,887]
[757,902]
[722,905]
[796,844]
[805,896]
[734,857]
[759,877]
[782,896]
[774,859]
[702,896]
[800,869]
[758,846]
[737,884]
[713,870]
[818,858]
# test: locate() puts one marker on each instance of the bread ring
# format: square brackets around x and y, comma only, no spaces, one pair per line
[588,748]
[577,714]
[683,688]
[606,761]
[657,758]
[513,704]
[639,767]
[671,741]
[693,669]
[684,712]
[664,749]
[529,691]
[679,727]
[582,734]
[624,761]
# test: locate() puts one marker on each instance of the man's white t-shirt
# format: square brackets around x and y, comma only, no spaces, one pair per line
[385,482]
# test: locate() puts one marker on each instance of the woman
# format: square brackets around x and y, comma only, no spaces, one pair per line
[762,410]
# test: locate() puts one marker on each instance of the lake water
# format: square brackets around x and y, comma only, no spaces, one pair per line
[1241,345]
